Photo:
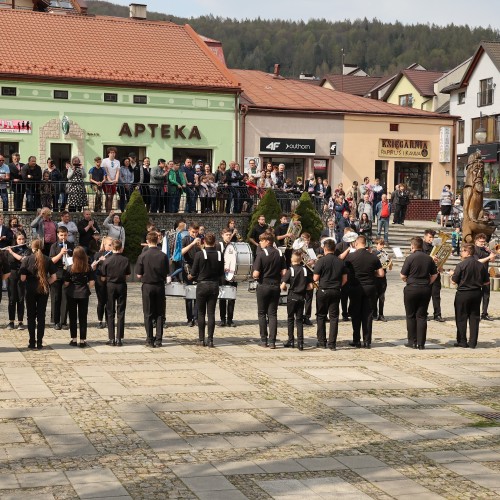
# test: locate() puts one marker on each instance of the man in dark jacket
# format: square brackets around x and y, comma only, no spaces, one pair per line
[32,176]
[400,203]
[232,180]
[18,187]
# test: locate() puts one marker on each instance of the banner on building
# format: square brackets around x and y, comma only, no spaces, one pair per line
[15,126]
[403,148]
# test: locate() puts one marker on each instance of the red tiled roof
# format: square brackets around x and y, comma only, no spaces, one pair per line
[356,85]
[423,81]
[262,90]
[109,50]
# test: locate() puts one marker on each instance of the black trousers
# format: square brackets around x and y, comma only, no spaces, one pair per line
[436,296]
[206,300]
[361,304]
[327,304]
[486,299]
[16,290]
[18,199]
[344,300]
[78,310]
[116,303]
[294,310]
[308,303]
[381,286]
[58,302]
[467,309]
[268,297]
[153,306]
[399,213]
[36,305]
[102,298]
[416,300]
[226,307]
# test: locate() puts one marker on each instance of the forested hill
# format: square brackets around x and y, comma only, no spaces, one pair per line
[316,46]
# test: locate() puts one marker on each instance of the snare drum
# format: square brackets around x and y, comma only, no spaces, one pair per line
[238,262]
[283,301]
[252,286]
[227,292]
[175,289]
[190,292]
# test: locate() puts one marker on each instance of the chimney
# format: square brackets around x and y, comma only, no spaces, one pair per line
[277,71]
[138,11]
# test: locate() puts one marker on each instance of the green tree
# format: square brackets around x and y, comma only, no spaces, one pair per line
[309,217]
[268,207]
[134,220]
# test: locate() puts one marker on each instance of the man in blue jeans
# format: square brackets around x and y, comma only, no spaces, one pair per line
[191,178]
[4,182]
[383,212]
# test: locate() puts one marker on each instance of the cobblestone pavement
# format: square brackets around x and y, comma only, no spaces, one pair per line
[240,421]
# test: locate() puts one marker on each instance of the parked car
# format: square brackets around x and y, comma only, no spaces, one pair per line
[493,207]
[490,205]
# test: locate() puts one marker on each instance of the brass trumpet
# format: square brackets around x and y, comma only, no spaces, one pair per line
[300,245]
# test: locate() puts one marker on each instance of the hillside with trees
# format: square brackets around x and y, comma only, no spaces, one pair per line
[316,46]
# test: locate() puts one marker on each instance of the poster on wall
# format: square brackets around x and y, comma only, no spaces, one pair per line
[444,144]
[255,169]
[15,126]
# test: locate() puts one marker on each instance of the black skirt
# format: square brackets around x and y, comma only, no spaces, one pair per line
[445,209]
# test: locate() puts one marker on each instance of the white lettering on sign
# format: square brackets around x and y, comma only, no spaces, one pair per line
[306,147]
[273,146]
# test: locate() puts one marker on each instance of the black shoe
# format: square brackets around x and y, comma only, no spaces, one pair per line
[345,318]
[111,342]
[10,326]
[382,318]
[193,322]
[201,343]
[119,343]
[64,326]
[357,345]
[366,345]
[57,326]
[289,343]
[272,345]
[439,319]
[102,325]
[421,347]
[231,324]
[39,344]
[457,344]
[332,347]
[300,346]
[411,346]
[321,345]
[486,317]
[263,344]
[148,343]
[188,322]
[222,324]
[83,344]
[210,343]
[307,321]
[31,346]
[73,343]
[158,343]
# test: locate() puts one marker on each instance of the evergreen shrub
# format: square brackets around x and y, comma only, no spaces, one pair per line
[134,221]
[309,217]
[269,207]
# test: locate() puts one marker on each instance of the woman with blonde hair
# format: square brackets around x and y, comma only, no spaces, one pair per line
[78,278]
[39,272]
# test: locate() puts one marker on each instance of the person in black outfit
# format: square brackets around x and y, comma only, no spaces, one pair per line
[258,229]
[4,269]
[226,307]
[380,283]
[208,266]
[190,245]
[363,267]
[115,270]
[306,320]
[429,235]
[419,272]
[78,278]
[281,234]
[400,202]
[100,286]
[16,181]
[86,229]
[299,280]
[470,276]
[59,254]
[233,180]
[268,267]
[484,256]
[16,287]
[331,275]
[39,272]
[152,269]
[342,249]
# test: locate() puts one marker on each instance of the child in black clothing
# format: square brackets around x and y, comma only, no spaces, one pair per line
[299,281]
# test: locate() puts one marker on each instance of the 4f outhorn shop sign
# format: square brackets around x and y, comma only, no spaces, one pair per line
[287,146]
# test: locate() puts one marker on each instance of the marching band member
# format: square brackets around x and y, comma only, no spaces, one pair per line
[300,281]
[114,271]
[363,268]
[208,266]
[381,282]
[419,271]
[310,291]
[100,286]
[342,249]
[268,267]
[485,256]
[258,229]
[226,307]
[331,275]
[191,244]
[282,234]
[427,247]
[471,277]
[152,270]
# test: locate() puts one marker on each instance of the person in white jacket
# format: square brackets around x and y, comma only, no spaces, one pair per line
[113,225]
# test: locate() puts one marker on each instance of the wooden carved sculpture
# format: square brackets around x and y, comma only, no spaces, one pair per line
[475,221]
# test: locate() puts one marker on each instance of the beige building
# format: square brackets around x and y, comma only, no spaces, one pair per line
[345,138]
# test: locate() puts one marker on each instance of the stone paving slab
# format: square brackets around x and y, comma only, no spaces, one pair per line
[240,421]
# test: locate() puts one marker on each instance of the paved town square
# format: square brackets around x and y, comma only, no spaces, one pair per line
[240,421]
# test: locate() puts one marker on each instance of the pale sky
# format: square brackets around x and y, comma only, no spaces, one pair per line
[482,13]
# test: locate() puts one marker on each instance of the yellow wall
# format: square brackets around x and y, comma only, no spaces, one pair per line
[361,148]
[404,87]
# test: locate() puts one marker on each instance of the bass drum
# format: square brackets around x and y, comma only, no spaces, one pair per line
[175,289]
[238,262]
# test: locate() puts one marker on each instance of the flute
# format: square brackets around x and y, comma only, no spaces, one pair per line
[15,246]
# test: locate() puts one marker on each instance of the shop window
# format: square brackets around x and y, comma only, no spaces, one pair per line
[294,167]
[110,97]
[61,94]
[416,176]
[140,99]
[9,91]
[460,131]
[180,154]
